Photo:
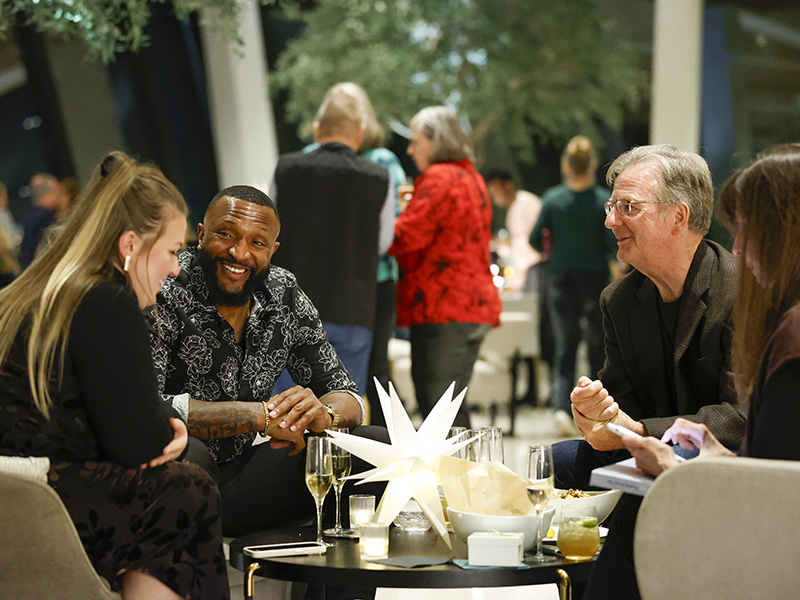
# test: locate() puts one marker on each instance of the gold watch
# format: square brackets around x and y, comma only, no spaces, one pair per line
[334,416]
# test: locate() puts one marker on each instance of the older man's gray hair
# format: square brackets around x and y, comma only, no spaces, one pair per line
[684,178]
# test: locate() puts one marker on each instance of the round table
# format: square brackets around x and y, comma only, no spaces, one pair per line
[342,565]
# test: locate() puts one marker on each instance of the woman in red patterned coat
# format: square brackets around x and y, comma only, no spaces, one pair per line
[445,292]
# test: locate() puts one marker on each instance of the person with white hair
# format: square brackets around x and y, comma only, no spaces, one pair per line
[445,293]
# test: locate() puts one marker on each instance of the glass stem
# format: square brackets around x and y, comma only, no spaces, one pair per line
[338,490]
[538,533]
[319,520]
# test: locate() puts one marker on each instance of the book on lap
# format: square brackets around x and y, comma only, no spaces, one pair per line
[624,476]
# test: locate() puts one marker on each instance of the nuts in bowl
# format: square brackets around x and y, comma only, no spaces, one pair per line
[603,502]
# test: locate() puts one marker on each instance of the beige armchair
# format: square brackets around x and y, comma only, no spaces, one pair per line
[41,555]
[720,529]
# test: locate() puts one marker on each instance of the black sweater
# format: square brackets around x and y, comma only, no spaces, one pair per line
[107,406]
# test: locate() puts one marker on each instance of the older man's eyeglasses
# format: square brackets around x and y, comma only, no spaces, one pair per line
[626,207]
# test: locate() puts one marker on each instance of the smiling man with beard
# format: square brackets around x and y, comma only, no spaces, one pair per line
[224,330]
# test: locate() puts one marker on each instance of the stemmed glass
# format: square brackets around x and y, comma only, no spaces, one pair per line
[540,487]
[319,475]
[341,461]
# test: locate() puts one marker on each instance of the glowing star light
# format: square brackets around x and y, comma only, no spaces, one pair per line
[410,462]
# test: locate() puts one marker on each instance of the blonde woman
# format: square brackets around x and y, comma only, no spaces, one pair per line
[77,385]
[578,269]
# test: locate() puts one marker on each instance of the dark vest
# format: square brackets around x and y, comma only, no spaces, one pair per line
[329,202]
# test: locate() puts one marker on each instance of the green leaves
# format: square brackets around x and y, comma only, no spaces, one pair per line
[109,26]
[515,68]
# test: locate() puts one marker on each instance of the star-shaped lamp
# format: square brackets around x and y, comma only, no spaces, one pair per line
[410,462]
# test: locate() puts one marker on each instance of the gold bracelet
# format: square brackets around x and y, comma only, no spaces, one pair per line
[266,419]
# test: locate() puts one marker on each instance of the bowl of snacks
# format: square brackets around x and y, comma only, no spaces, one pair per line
[465,523]
[603,502]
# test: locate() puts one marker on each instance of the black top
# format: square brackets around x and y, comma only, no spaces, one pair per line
[668,317]
[330,203]
[774,430]
[774,407]
[107,406]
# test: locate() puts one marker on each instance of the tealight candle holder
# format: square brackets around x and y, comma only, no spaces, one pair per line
[373,540]
[362,507]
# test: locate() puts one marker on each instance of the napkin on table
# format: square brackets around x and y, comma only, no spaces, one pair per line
[411,562]
[483,488]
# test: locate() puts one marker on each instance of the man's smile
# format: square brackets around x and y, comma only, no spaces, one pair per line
[233,271]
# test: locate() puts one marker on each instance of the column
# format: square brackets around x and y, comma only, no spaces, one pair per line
[241,113]
[677,61]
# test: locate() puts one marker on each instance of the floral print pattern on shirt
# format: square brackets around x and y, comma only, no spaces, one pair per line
[195,351]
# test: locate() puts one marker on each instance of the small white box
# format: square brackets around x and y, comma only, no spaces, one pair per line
[494,549]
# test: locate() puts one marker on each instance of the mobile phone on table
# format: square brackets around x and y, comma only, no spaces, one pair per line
[625,432]
[287,549]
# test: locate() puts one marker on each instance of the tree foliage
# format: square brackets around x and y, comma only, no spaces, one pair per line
[514,69]
[109,26]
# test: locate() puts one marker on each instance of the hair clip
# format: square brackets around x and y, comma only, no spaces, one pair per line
[107,165]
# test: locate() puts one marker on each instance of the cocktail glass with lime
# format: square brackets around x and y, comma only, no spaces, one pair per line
[578,533]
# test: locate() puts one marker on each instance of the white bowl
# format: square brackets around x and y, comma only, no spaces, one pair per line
[465,523]
[603,503]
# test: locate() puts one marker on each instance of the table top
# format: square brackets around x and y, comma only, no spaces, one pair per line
[342,565]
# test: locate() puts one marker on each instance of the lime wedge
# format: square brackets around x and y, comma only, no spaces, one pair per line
[589,523]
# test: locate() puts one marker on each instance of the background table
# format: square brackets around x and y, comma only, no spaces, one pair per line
[342,566]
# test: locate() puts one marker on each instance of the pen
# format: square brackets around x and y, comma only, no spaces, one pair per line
[625,432]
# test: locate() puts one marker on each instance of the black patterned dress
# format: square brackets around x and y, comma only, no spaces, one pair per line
[106,420]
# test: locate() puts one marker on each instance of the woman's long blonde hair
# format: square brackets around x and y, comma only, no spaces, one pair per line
[761,202]
[39,305]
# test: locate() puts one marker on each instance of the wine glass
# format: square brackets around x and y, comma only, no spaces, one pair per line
[540,487]
[340,458]
[319,475]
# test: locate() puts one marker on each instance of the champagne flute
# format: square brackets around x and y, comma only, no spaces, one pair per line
[319,475]
[540,487]
[340,458]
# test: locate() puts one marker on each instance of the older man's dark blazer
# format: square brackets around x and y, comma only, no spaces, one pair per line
[634,371]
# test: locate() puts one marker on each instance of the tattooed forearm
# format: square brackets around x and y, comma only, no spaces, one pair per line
[211,420]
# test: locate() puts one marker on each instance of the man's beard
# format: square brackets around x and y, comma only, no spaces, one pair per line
[221,297]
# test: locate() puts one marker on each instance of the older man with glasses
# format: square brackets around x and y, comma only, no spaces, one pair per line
[666,323]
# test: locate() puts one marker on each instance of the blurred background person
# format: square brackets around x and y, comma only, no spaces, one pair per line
[7,222]
[372,148]
[445,293]
[521,212]
[580,245]
[80,388]
[48,198]
[70,188]
[337,212]
[528,268]
[9,266]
